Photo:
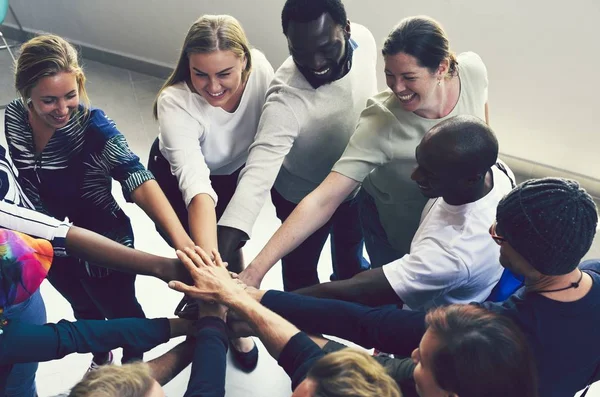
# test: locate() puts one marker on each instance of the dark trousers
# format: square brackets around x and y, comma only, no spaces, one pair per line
[300,266]
[97,298]
[223,185]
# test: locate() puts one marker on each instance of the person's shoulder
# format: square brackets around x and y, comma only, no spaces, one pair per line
[16,111]
[471,63]
[262,70]
[361,34]
[594,266]
[287,76]
[100,128]
[175,93]
[260,61]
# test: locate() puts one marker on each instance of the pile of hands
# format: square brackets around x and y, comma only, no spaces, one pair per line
[213,287]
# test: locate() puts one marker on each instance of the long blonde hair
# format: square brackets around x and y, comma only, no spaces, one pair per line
[209,33]
[47,55]
[350,372]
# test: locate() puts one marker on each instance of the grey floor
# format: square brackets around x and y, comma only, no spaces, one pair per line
[127,98]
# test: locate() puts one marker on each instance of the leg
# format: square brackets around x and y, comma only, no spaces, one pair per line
[66,276]
[115,296]
[21,381]
[380,250]
[300,266]
[159,166]
[347,242]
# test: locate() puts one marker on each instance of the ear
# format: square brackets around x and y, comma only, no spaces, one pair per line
[444,67]
[347,29]
[472,180]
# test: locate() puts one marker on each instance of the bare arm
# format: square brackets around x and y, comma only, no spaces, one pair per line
[213,282]
[153,201]
[312,213]
[98,249]
[487,114]
[203,222]
[368,288]
[164,368]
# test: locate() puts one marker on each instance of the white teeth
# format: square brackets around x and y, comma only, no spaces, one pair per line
[321,73]
[406,98]
[217,94]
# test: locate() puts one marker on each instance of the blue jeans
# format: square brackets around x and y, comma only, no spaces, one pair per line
[379,249]
[300,266]
[21,381]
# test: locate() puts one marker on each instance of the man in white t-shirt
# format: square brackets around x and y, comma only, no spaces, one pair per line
[451,259]
[310,113]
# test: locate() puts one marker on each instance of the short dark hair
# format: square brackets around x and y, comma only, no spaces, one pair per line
[423,38]
[470,144]
[481,353]
[309,10]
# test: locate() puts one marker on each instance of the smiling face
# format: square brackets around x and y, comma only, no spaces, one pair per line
[217,77]
[54,99]
[318,48]
[414,86]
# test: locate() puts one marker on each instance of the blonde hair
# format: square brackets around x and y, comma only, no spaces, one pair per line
[129,380]
[353,373]
[209,33]
[43,56]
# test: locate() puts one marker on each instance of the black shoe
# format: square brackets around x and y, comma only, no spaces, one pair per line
[247,362]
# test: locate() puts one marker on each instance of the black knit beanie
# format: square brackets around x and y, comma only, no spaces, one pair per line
[551,222]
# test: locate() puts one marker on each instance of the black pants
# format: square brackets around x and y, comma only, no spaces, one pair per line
[92,298]
[223,185]
[300,266]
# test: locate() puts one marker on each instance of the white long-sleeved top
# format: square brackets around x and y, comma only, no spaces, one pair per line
[199,140]
[302,132]
[17,213]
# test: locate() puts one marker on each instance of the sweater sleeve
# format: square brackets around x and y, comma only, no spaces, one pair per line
[386,328]
[210,357]
[180,142]
[23,343]
[277,131]
[298,356]
[113,156]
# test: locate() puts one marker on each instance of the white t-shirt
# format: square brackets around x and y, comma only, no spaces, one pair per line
[452,257]
[302,132]
[200,140]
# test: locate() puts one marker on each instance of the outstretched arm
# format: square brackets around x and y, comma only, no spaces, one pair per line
[312,213]
[153,201]
[368,288]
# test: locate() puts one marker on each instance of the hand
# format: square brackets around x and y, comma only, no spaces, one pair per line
[208,309]
[212,281]
[251,277]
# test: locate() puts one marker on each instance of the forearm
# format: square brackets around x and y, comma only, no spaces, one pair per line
[367,288]
[166,367]
[22,342]
[203,222]
[210,355]
[153,201]
[229,240]
[272,329]
[102,251]
[391,329]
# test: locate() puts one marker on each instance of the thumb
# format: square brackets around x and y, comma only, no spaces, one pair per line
[179,286]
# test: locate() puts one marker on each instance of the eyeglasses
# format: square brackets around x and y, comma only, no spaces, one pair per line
[499,240]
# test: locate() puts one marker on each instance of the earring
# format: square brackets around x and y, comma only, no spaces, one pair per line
[439,82]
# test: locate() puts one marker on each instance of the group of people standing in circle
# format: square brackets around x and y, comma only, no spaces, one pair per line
[411,173]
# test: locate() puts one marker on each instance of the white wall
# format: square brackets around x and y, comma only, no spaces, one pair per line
[541,57]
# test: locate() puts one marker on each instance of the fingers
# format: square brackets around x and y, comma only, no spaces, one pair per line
[199,256]
[187,263]
[218,259]
[181,287]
